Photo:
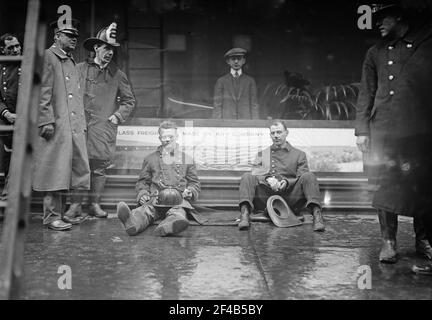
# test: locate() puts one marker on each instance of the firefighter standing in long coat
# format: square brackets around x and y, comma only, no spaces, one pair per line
[61,161]
[394,123]
[102,83]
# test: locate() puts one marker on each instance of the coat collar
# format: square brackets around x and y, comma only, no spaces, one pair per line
[414,36]
[60,53]
[173,152]
[286,145]
[111,67]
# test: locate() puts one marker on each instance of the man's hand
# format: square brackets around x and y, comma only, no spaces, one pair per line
[363,143]
[187,194]
[144,199]
[273,183]
[114,119]
[283,185]
[10,116]
[47,131]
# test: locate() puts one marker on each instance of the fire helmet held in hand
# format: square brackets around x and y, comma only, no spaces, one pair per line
[169,197]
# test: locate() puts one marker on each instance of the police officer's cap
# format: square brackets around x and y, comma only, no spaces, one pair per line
[67,26]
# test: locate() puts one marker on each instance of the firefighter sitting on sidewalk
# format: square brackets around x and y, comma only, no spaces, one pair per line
[166,185]
[283,170]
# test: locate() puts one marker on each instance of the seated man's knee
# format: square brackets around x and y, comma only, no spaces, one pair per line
[308,176]
[248,177]
[179,211]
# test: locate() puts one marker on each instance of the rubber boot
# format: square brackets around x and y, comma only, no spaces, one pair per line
[74,214]
[174,223]
[97,187]
[244,223]
[422,245]
[388,224]
[135,221]
[318,221]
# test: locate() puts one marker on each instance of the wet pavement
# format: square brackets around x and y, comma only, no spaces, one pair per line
[219,262]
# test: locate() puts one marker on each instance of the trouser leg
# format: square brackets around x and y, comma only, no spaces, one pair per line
[248,185]
[52,207]
[422,244]
[305,192]
[7,154]
[137,220]
[388,225]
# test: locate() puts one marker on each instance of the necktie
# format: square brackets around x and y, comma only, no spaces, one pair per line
[236,74]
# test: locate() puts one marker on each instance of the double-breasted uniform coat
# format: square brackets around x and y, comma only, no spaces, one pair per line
[395,111]
[61,163]
[10,73]
[177,171]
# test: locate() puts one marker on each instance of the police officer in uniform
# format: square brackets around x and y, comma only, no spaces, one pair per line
[9,84]
[394,123]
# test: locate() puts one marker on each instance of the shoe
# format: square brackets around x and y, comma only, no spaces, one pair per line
[73,220]
[75,210]
[260,216]
[171,225]
[388,253]
[59,225]
[423,269]
[124,214]
[318,221]
[244,223]
[96,211]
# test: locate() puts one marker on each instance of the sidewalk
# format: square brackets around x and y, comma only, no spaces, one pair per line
[219,262]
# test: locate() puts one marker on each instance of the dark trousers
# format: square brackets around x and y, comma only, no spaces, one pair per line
[302,193]
[53,206]
[6,158]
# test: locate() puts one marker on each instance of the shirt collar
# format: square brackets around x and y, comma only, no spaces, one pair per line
[286,145]
[239,71]
[176,147]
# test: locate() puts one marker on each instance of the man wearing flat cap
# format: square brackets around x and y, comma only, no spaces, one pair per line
[108,101]
[394,123]
[61,161]
[235,94]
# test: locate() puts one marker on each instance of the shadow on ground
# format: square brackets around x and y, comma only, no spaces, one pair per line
[219,262]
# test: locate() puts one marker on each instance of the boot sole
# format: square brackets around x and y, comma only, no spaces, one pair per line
[243,228]
[60,228]
[319,229]
[123,213]
[177,226]
[388,261]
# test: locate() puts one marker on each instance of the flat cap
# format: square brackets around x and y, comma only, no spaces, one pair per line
[235,52]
